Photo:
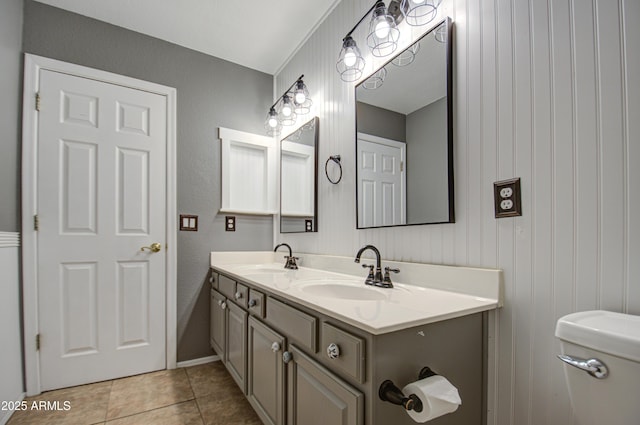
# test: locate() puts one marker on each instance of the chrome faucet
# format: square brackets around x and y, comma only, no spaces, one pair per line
[291,260]
[376,278]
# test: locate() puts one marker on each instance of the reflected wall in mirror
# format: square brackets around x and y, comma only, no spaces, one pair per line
[404,145]
[298,180]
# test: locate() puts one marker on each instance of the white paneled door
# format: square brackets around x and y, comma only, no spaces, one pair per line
[101,198]
[381,181]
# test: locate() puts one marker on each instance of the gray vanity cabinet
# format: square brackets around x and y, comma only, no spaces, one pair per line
[318,397]
[236,348]
[265,374]
[218,328]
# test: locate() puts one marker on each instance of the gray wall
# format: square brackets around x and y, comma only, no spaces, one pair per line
[10,113]
[380,122]
[427,158]
[210,93]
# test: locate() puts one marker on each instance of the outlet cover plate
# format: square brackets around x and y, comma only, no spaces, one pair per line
[507,199]
[230,223]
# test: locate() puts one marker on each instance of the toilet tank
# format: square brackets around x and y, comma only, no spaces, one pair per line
[614,340]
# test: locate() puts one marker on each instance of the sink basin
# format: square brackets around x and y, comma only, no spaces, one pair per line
[262,268]
[344,291]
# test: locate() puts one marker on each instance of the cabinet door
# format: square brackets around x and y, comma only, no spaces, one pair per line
[218,323]
[236,349]
[265,377]
[315,396]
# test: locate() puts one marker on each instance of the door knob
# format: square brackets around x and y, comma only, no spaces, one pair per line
[154,247]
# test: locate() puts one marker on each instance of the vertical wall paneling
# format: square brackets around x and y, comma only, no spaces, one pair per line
[610,117]
[631,41]
[11,385]
[544,90]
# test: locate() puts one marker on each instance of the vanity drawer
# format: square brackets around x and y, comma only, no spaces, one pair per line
[213,279]
[293,323]
[344,351]
[256,303]
[241,295]
[227,286]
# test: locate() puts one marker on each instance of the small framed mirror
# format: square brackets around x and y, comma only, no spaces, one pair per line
[299,180]
[404,145]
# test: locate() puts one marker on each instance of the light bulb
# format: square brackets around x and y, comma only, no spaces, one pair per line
[300,97]
[273,122]
[417,1]
[286,110]
[350,58]
[382,29]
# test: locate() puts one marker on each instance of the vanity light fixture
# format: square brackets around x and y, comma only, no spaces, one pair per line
[384,34]
[350,62]
[285,111]
[419,12]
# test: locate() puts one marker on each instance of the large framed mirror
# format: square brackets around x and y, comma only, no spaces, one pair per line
[404,145]
[299,180]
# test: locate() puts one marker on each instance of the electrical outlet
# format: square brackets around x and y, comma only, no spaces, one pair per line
[308,225]
[230,223]
[506,195]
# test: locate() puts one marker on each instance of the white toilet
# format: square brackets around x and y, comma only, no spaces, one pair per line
[601,351]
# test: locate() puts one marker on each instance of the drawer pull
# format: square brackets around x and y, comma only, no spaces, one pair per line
[223,306]
[252,303]
[275,347]
[238,295]
[287,357]
[333,351]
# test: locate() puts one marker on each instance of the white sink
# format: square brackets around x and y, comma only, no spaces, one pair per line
[262,268]
[343,290]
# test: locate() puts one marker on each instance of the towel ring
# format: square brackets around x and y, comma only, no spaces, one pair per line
[336,159]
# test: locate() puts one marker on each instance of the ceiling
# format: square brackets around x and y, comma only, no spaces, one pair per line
[258,34]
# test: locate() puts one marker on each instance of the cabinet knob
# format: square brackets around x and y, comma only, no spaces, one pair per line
[333,351]
[212,279]
[275,347]
[238,295]
[287,357]
[252,303]
[220,302]
[223,305]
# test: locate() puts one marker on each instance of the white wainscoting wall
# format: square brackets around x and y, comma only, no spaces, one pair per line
[11,387]
[544,90]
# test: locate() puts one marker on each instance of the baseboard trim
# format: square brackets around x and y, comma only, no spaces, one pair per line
[5,419]
[196,362]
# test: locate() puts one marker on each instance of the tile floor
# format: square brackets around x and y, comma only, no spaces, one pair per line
[202,395]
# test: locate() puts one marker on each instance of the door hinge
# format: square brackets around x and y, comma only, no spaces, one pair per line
[37,101]
[36,223]
[38,342]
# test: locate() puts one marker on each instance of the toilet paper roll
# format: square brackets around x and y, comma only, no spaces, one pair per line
[438,397]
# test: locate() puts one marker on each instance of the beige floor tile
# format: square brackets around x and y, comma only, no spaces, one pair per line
[186,413]
[87,405]
[140,393]
[211,379]
[230,411]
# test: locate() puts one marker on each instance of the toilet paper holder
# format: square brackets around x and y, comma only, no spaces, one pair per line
[388,391]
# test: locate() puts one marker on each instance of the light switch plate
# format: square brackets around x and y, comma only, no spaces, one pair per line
[507,199]
[189,222]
